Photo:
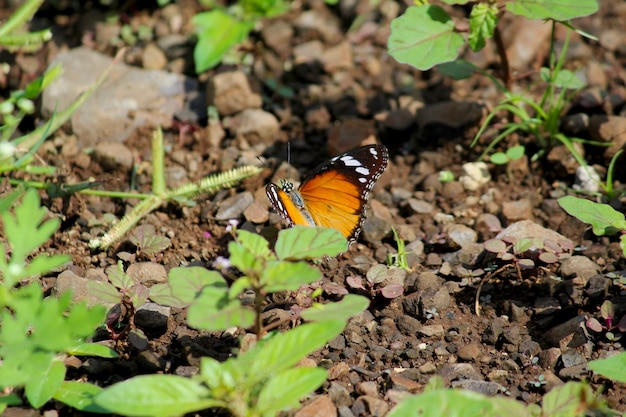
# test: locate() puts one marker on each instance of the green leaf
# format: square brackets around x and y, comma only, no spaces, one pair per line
[351,305]
[604,219]
[80,395]
[146,238]
[622,243]
[40,390]
[613,367]
[424,36]
[92,349]
[118,277]
[499,158]
[285,350]
[285,390]
[213,311]
[457,70]
[162,294]
[104,291]
[218,32]
[187,283]
[483,20]
[563,79]
[288,276]
[552,9]
[516,152]
[249,252]
[156,396]
[571,399]
[457,403]
[302,242]
[10,399]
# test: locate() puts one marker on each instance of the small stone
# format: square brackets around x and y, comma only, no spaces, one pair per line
[579,267]
[493,331]
[147,273]
[572,358]
[435,298]
[563,333]
[402,383]
[453,114]
[574,372]
[320,406]
[339,394]
[454,371]
[518,210]
[431,330]
[475,175]
[308,52]
[113,155]
[459,235]
[149,362]
[153,317]
[257,126]
[187,371]
[367,388]
[153,58]
[548,358]
[277,36]
[338,371]
[256,213]
[427,368]
[546,305]
[420,206]
[529,229]
[231,92]
[469,353]
[498,375]
[482,387]
[408,325]
[233,207]
[428,279]
[338,57]
[69,281]
[609,129]
[372,406]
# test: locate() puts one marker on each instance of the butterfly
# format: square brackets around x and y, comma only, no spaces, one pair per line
[335,194]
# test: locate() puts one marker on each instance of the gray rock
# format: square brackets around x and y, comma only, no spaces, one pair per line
[128,99]
[435,298]
[69,281]
[564,331]
[482,387]
[459,235]
[431,330]
[579,267]
[469,353]
[408,325]
[530,229]
[339,394]
[113,155]
[233,207]
[454,371]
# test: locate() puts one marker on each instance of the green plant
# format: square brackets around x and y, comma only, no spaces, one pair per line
[398,259]
[221,29]
[161,195]
[388,281]
[37,333]
[426,35]
[29,40]
[607,312]
[604,219]
[262,380]
[573,399]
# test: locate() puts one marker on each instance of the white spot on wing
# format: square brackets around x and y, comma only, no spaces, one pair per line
[350,161]
[362,180]
[363,171]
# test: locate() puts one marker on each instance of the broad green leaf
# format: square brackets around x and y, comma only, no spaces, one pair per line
[285,390]
[622,243]
[377,274]
[92,349]
[351,305]
[423,37]
[302,242]
[43,264]
[571,399]
[457,70]
[162,294]
[552,9]
[613,367]
[483,20]
[218,32]
[146,238]
[457,403]
[155,396]
[118,277]
[604,219]
[80,395]
[564,79]
[40,390]
[104,291]
[10,399]
[515,152]
[499,158]
[187,283]
[288,276]
[205,314]
[286,349]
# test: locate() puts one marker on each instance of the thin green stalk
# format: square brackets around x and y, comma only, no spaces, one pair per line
[158,164]
[20,16]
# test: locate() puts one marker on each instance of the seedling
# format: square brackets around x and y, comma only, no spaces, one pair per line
[147,240]
[398,259]
[388,281]
[538,382]
[607,312]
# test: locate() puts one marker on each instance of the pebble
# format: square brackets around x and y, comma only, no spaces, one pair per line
[564,331]
[529,229]
[494,329]
[187,371]
[69,281]
[149,362]
[587,179]
[435,298]
[277,35]
[231,92]
[323,23]
[339,395]
[308,52]
[234,206]
[469,353]
[521,209]
[256,126]
[147,273]
[579,268]
[338,57]
[608,129]
[453,114]
[427,368]
[459,236]
[338,371]
[475,175]
[431,330]
[367,388]
[153,317]
[419,206]
[257,213]
[453,371]
[482,387]
[548,358]
[528,38]
[370,406]
[408,325]
[153,58]
[113,155]
[320,406]
[400,382]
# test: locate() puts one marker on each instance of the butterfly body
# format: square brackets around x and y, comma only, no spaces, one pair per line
[335,194]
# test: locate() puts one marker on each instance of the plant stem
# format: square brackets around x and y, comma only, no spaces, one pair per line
[504,59]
